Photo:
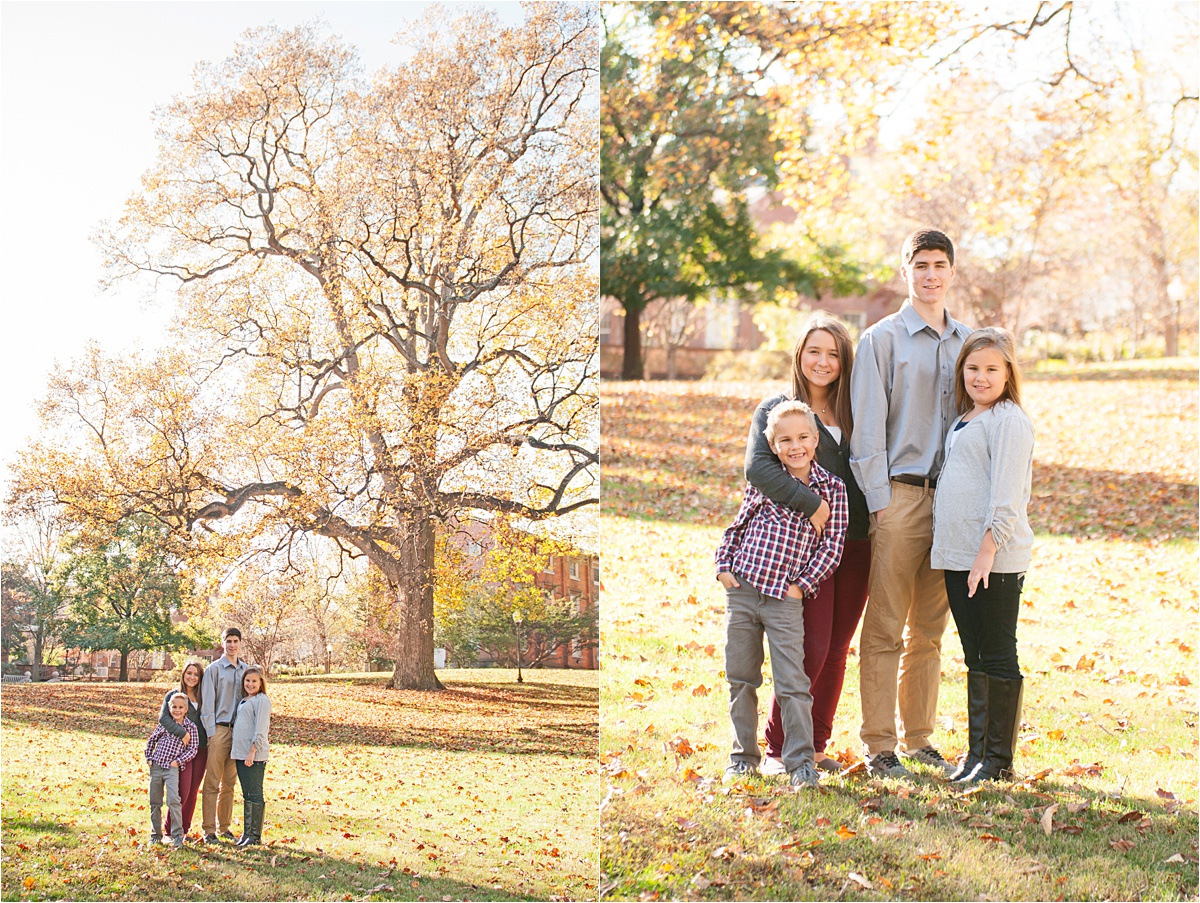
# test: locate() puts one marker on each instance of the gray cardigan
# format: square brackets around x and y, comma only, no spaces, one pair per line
[251,725]
[984,484]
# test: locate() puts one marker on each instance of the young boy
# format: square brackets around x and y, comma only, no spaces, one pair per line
[769,561]
[902,391]
[165,754]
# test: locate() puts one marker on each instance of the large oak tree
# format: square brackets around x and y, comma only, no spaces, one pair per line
[388,303]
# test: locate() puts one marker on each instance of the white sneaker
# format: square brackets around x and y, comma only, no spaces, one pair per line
[772,767]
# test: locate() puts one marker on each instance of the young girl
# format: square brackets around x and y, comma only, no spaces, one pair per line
[983,542]
[821,366]
[249,750]
[191,773]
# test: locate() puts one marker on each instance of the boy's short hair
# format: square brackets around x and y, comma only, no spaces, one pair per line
[177,695]
[230,631]
[926,240]
[787,409]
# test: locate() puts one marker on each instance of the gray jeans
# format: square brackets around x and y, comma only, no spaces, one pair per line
[161,777]
[748,614]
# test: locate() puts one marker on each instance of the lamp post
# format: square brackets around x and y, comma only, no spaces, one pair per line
[328,655]
[518,617]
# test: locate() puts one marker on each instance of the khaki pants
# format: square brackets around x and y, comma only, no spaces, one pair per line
[900,657]
[219,781]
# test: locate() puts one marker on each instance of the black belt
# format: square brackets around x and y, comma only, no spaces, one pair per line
[911,479]
[223,724]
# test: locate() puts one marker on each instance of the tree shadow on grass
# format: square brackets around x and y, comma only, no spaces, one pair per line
[533,720]
[276,870]
[687,468]
[902,830]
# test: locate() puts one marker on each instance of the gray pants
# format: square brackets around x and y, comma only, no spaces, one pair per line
[748,614]
[161,777]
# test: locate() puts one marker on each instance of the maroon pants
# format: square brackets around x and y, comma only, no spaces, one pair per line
[191,776]
[830,620]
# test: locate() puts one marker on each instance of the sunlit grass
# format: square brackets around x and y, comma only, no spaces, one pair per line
[473,793]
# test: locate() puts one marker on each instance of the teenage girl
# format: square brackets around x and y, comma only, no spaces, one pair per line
[983,542]
[191,773]
[249,750]
[821,366]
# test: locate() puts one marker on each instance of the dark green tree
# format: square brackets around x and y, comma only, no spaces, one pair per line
[683,138]
[124,590]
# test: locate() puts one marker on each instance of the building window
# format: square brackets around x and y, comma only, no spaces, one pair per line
[549,568]
[596,573]
[574,570]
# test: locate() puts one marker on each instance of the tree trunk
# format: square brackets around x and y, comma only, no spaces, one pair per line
[411,576]
[631,361]
[123,675]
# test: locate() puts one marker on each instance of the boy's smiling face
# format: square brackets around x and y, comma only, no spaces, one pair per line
[796,443]
[928,275]
[179,708]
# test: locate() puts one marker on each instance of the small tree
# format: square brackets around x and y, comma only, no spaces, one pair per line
[123,590]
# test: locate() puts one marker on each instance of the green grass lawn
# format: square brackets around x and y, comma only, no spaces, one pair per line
[1108,745]
[486,791]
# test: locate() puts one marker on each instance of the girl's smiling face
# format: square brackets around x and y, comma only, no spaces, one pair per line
[819,361]
[251,683]
[191,675]
[985,374]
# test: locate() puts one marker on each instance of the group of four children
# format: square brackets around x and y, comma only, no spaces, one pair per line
[898,485]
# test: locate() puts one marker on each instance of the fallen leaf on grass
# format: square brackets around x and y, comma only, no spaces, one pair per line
[1164,794]
[700,882]
[1048,819]
[845,833]
[690,774]
[1130,816]
[1122,846]
[931,857]
[1174,858]
[1056,734]
[861,881]
[700,690]
[991,838]
[680,746]
[856,768]
[722,853]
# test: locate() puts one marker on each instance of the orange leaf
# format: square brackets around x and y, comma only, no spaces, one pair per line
[845,833]
[700,690]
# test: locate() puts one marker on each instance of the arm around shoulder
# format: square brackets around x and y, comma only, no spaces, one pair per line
[764,472]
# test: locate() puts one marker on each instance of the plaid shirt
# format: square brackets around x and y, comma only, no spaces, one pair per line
[772,546]
[162,748]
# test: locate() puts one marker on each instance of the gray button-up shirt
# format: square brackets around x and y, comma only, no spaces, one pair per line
[902,390]
[222,690]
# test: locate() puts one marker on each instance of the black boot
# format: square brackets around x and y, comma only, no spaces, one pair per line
[254,831]
[247,823]
[1004,719]
[977,719]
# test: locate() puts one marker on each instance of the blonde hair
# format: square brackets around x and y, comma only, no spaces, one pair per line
[989,337]
[820,320]
[787,409]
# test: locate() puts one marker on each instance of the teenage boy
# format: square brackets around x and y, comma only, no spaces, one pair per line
[218,707]
[165,754]
[770,560]
[902,391]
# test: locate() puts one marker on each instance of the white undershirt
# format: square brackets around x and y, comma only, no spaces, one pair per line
[836,432]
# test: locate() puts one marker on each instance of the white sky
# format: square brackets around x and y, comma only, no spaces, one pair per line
[78,83]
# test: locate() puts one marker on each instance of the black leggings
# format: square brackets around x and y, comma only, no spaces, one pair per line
[251,779]
[987,622]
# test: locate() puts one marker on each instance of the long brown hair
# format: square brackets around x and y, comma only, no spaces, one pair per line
[200,683]
[989,337]
[820,320]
